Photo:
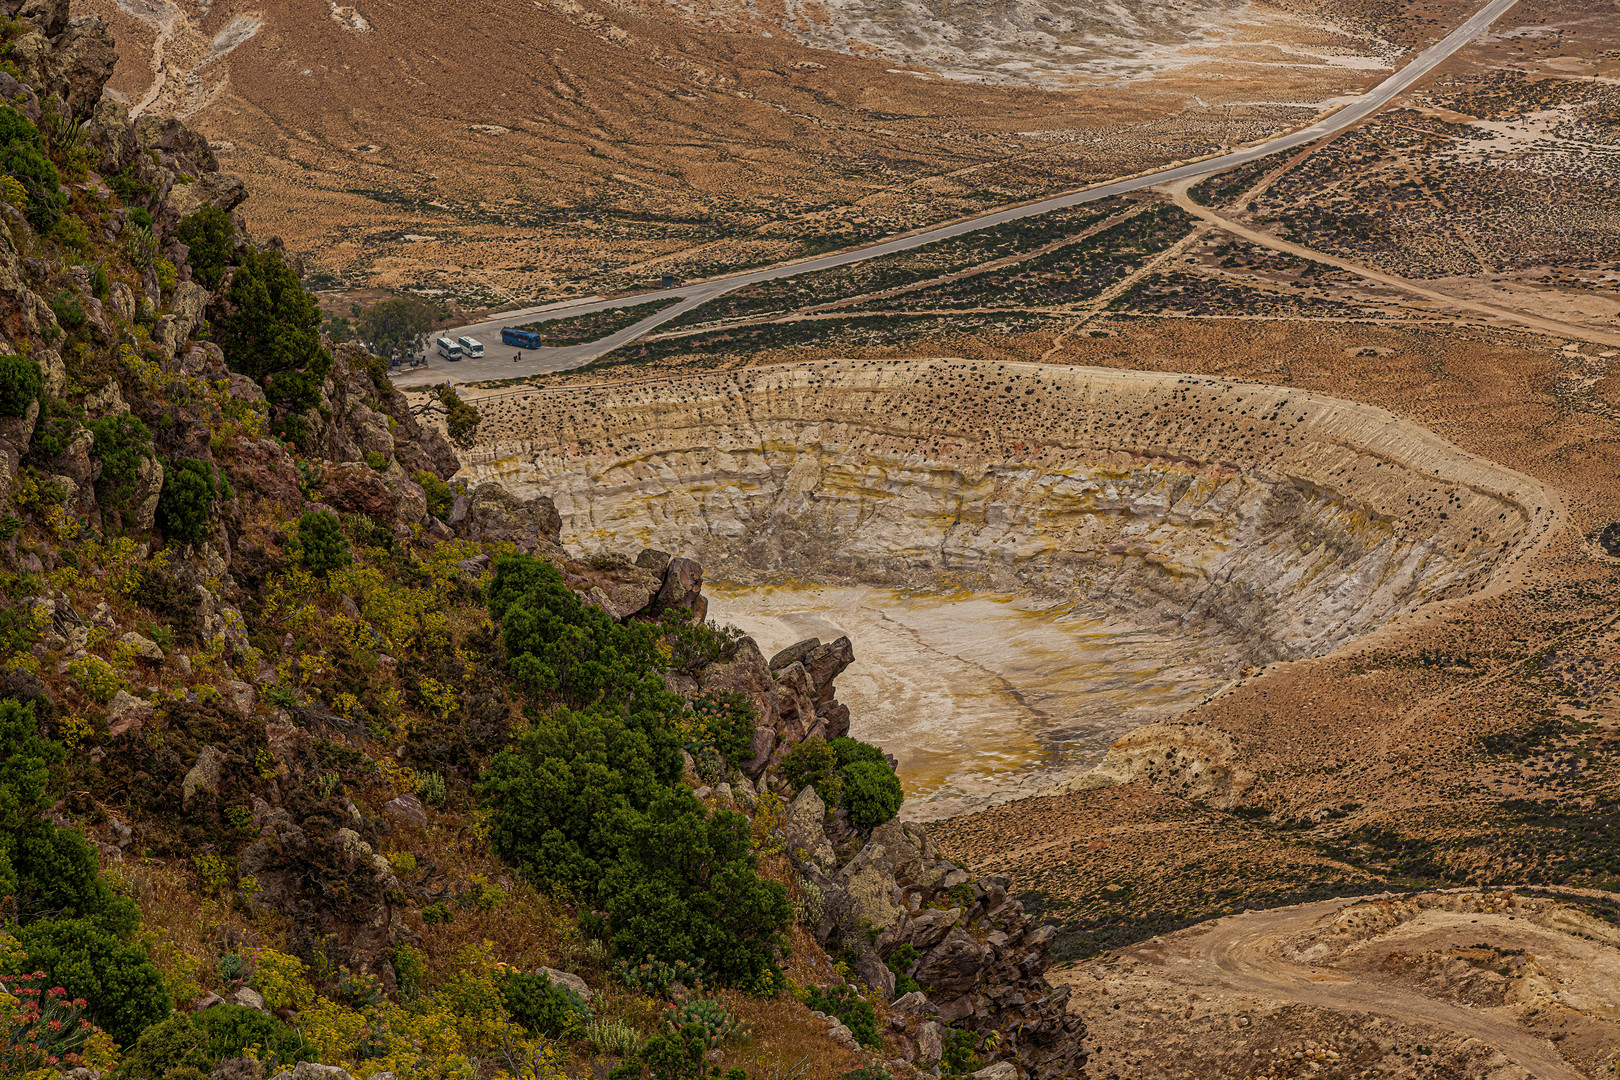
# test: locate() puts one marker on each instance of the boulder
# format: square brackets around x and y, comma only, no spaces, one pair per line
[683,588]
[929,927]
[204,776]
[143,647]
[573,982]
[241,1068]
[354,488]
[126,713]
[871,887]
[1001,1070]
[495,514]
[930,1044]
[407,807]
[804,833]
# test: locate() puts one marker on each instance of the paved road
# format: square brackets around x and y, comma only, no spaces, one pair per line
[497,362]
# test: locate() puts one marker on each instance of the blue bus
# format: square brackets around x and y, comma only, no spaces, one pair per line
[523,339]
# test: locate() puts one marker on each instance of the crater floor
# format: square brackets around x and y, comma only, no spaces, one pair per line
[982,697]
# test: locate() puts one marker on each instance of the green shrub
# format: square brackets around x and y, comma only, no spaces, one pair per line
[211,236]
[22,157]
[711,1018]
[20,383]
[124,987]
[322,545]
[440,497]
[174,1044]
[900,962]
[233,1029]
[613,1037]
[185,510]
[654,977]
[676,1056]
[872,793]
[272,336]
[814,763]
[544,1007]
[853,1012]
[848,751]
[121,444]
[588,798]
[70,231]
[461,419]
[727,721]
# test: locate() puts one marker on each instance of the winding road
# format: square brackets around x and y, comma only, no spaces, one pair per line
[497,362]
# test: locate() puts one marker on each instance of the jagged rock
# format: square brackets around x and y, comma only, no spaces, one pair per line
[913,1004]
[928,928]
[875,973]
[495,514]
[1001,1070]
[871,887]
[930,1044]
[793,653]
[952,966]
[654,560]
[803,830]
[682,588]
[573,982]
[204,776]
[145,648]
[242,695]
[354,488]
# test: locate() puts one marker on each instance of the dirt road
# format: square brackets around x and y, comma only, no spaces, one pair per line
[1392,986]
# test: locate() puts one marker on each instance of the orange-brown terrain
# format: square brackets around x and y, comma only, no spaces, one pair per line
[520,150]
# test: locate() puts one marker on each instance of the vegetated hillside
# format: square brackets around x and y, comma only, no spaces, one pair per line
[315,762]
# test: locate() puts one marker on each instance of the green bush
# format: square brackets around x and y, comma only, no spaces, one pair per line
[20,382]
[848,751]
[727,721]
[589,797]
[322,545]
[125,990]
[233,1029]
[211,236]
[121,444]
[22,157]
[854,1013]
[544,1007]
[440,497]
[273,336]
[172,1045]
[185,510]
[872,793]
[814,763]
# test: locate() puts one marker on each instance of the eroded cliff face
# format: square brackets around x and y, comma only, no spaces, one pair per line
[1287,521]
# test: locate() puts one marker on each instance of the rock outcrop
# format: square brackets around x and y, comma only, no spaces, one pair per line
[980,959]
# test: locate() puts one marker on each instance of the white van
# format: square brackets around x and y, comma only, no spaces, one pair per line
[449,349]
[471,347]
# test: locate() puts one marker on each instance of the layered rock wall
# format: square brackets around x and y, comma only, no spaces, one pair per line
[1286,520]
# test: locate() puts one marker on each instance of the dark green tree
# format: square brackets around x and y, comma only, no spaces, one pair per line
[19,382]
[872,793]
[185,510]
[211,236]
[398,324]
[322,545]
[70,924]
[22,157]
[121,444]
[272,336]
